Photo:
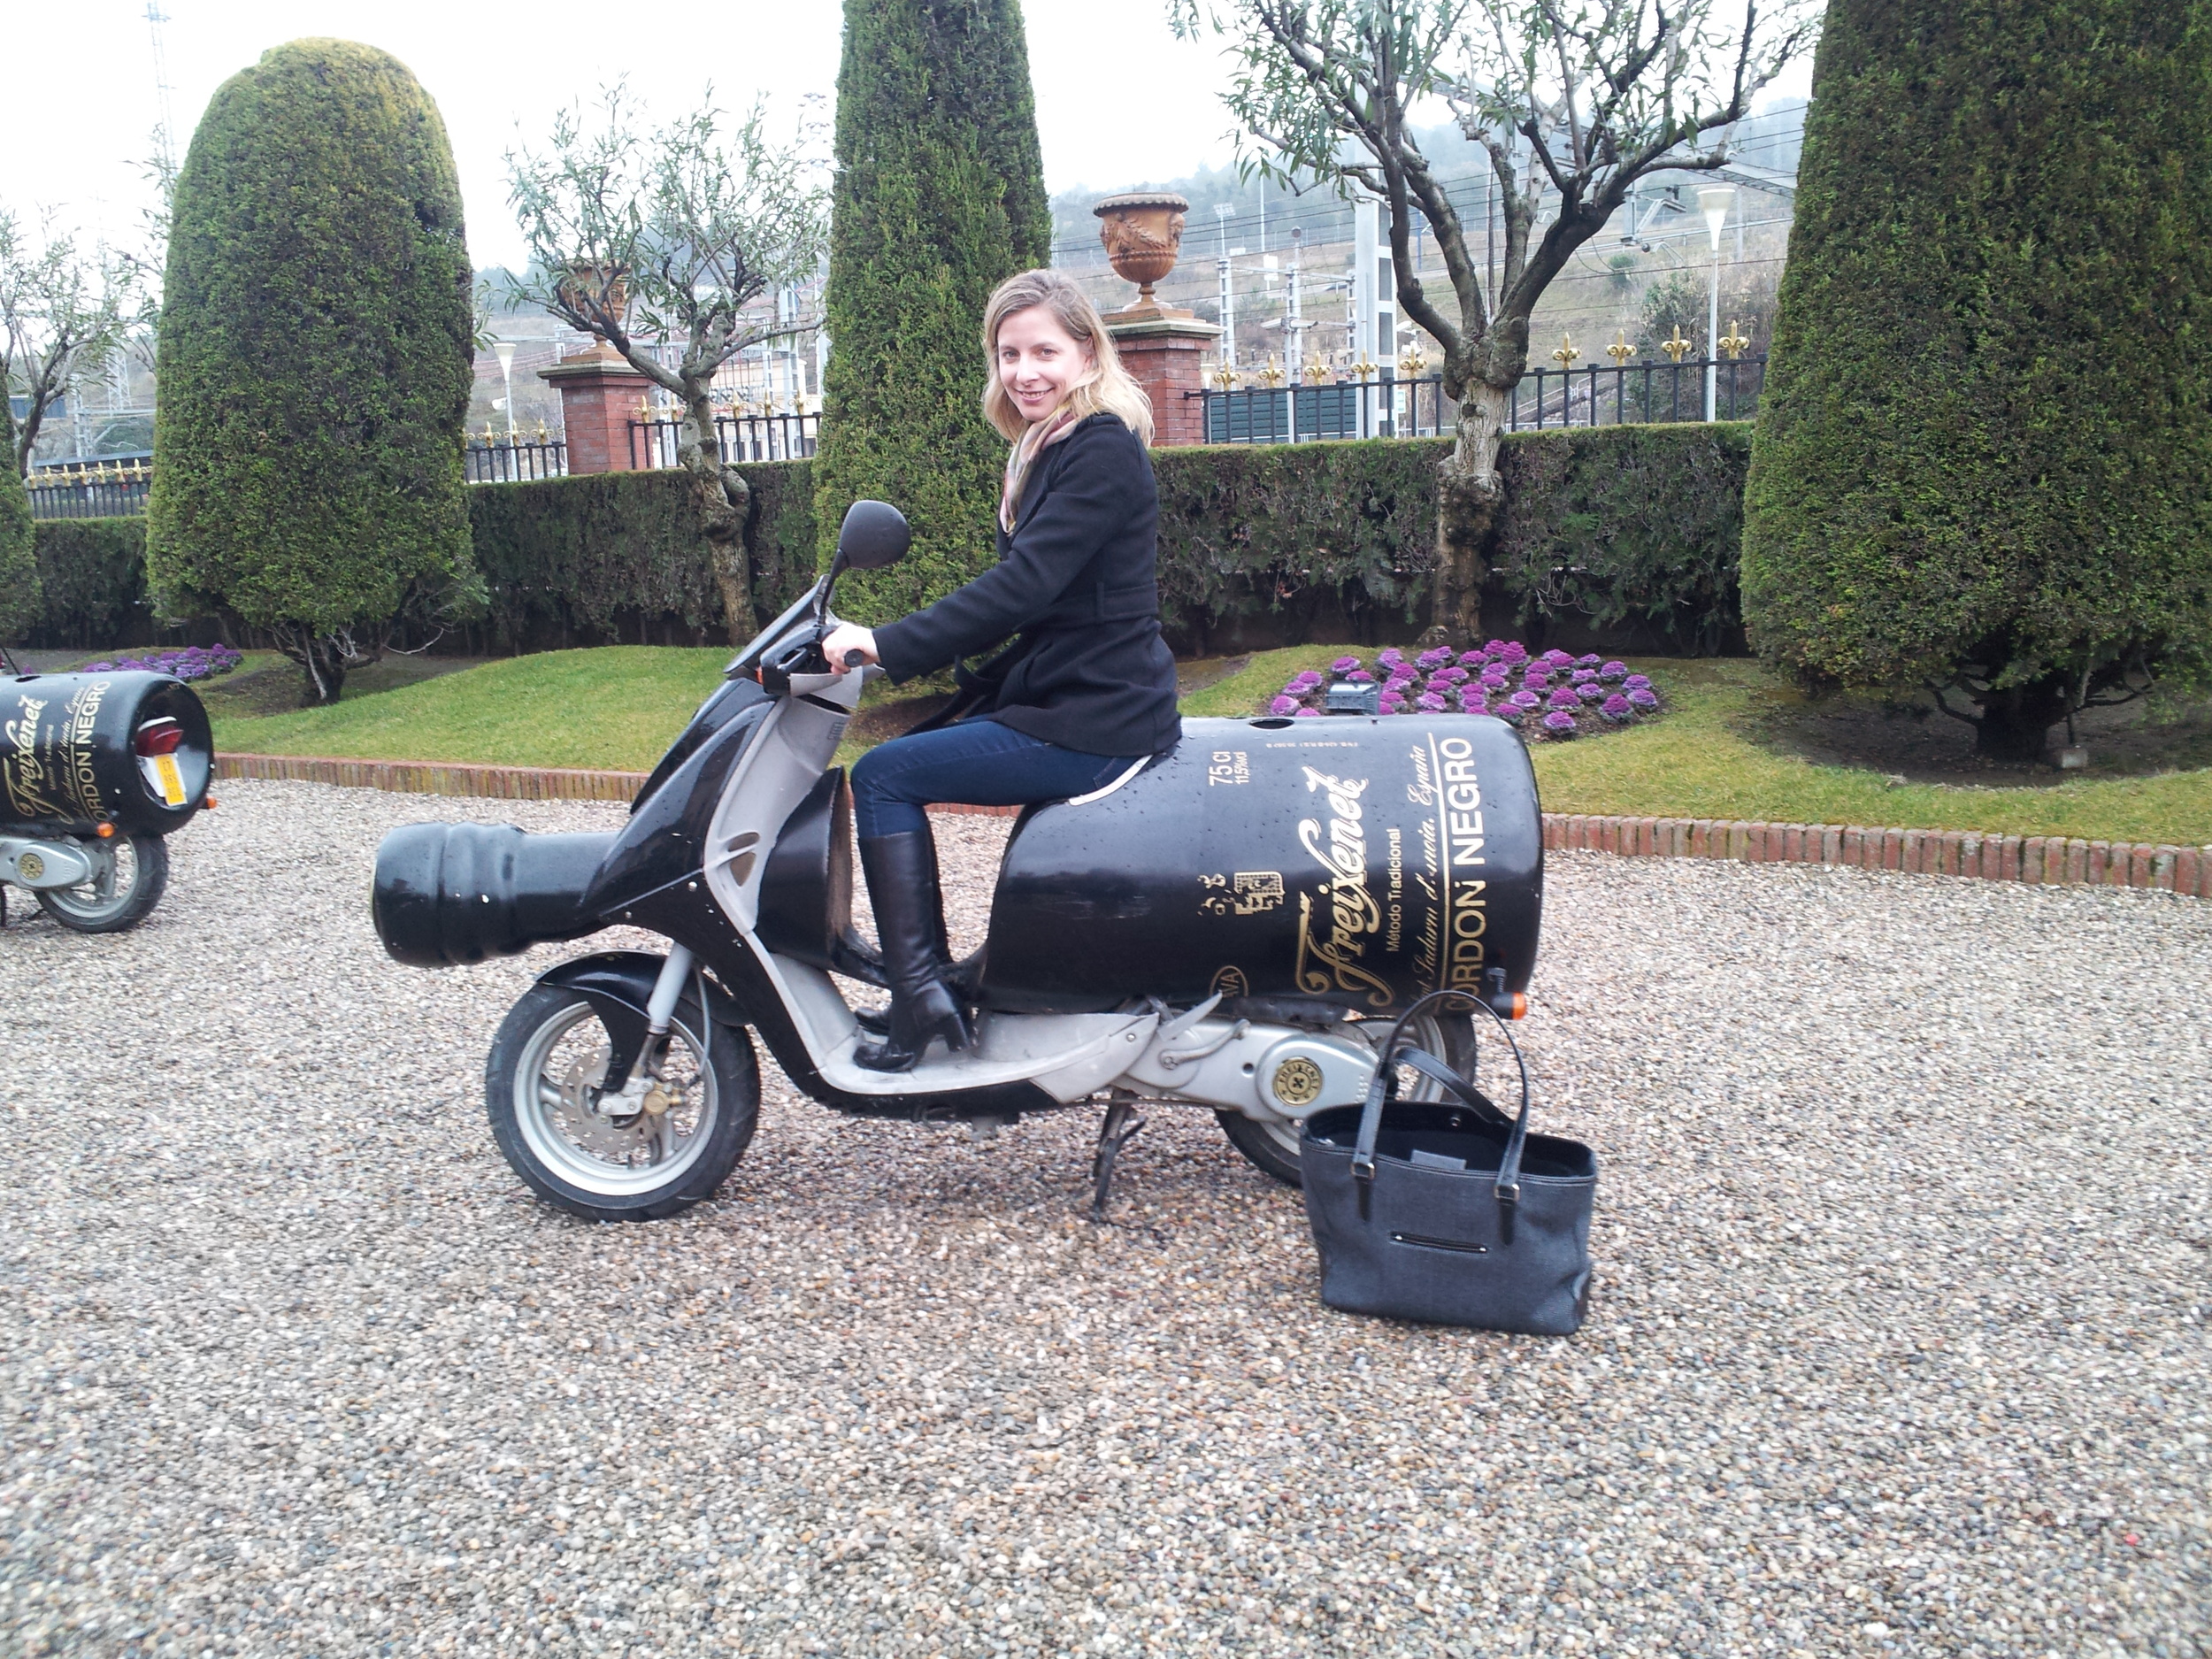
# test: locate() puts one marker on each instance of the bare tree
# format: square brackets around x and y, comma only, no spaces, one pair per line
[64,311]
[668,238]
[1573,101]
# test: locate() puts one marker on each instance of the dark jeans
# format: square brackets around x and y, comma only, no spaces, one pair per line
[978,763]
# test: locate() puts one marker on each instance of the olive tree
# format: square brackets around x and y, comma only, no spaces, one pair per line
[666,238]
[1573,101]
[65,310]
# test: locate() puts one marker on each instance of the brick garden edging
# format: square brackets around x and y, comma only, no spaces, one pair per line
[466,778]
[2031,859]
[438,777]
[2037,859]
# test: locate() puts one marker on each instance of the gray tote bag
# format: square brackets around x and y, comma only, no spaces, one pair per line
[1447,1210]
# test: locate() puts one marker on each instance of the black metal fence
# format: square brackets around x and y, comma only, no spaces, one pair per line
[741,437]
[502,461]
[93,492]
[1418,408]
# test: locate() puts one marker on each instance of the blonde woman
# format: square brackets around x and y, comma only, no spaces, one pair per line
[1086,690]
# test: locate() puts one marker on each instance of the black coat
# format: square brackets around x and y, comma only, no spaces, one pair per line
[1079,580]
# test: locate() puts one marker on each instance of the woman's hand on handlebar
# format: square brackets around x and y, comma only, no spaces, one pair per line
[844,641]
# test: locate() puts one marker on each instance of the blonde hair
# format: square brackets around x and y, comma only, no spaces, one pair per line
[1107,389]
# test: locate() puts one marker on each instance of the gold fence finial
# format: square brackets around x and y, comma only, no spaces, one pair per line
[1675,345]
[1620,350]
[1733,343]
[1410,363]
[1568,350]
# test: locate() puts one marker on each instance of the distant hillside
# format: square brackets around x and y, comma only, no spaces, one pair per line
[1773,138]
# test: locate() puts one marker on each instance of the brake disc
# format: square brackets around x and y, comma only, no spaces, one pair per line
[581,1122]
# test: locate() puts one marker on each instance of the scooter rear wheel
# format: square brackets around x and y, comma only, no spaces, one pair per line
[1273,1147]
[118,900]
[543,1087]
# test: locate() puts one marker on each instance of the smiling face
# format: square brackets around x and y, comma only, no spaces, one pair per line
[1039,360]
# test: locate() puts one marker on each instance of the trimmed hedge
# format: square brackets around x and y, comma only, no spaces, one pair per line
[1627,528]
[564,557]
[92,575]
[20,583]
[1631,526]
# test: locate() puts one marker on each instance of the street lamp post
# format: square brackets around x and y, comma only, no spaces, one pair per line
[506,349]
[1228,299]
[1714,201]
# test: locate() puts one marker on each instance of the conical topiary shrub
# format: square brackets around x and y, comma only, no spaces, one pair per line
[940,196]
[315,360]
[1983,461]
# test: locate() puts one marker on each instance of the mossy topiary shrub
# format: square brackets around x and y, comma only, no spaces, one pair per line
[315,359]
[940,196]
[1983,459]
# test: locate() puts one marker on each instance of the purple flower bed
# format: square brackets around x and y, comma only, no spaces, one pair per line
[193,661]
[1549,694]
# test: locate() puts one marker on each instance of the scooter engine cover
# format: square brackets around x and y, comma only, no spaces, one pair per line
[70,759]
[1353,860]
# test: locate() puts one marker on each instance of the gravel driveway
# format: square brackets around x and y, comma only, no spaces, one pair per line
[1898,1342]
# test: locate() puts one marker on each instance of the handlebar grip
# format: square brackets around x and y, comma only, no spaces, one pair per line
[855,659]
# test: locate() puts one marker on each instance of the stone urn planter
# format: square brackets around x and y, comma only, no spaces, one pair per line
[588,279]
[1143,233]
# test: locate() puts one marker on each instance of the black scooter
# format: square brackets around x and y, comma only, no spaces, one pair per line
[1232,926]
[97,772]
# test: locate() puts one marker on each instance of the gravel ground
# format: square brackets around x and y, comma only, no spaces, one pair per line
[1897,1346]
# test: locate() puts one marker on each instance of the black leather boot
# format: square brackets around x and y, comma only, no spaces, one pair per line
[901,872]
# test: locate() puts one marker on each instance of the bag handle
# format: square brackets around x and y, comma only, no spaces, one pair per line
[1384,1085]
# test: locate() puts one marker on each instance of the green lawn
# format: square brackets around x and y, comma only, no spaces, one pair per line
[617,707]
[1696,761]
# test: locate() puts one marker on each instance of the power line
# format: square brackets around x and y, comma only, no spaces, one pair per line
[1332,206]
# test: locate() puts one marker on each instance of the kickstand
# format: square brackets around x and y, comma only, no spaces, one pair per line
[1120,1129]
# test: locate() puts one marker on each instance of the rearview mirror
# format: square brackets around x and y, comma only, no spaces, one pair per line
[874,535]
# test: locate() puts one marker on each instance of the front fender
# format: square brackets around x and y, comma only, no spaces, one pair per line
[619,985]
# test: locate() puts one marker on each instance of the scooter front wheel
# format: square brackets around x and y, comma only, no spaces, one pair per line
[560,1123]
[135,873]
[1272,1148]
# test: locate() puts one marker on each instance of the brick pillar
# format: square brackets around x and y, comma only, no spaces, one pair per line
[1163,348]
[599,395]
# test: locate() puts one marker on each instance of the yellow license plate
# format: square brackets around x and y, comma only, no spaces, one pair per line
[171,779]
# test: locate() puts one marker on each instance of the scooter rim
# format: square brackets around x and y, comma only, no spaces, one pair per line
[1427,1032]
[115,897]
[571,1166]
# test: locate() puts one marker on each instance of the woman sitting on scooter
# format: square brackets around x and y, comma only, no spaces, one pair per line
[1086,692]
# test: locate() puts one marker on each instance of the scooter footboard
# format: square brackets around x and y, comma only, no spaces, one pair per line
[451,893]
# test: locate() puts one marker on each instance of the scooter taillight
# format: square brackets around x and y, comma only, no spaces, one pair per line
[158,737]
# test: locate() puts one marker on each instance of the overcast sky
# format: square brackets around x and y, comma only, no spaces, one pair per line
[1119,98]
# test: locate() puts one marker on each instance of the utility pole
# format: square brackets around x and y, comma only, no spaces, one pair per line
[155,18]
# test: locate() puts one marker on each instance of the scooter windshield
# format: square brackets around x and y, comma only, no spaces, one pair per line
[744,663]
